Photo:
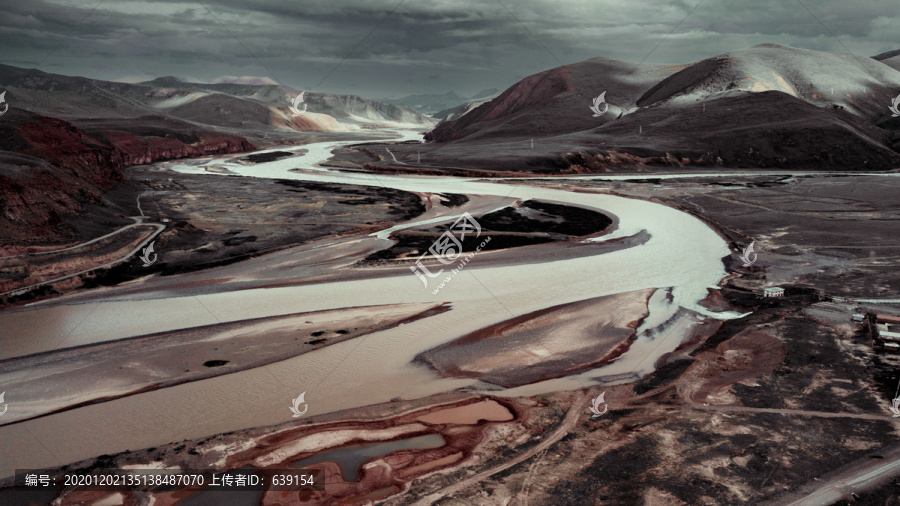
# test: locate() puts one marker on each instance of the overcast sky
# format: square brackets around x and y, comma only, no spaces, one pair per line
[386,48]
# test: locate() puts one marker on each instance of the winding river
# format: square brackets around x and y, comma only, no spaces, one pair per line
[682,254]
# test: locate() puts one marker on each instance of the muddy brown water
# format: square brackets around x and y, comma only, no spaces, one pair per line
[682,252]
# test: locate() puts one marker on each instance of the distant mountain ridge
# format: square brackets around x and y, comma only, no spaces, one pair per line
[889,58]
[249,80]
[485,93]
[458,111]
[886,55]
[234,105]
[764,106]
[66,140]
[434,104]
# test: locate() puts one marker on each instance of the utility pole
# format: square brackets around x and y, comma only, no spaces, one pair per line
[418,157]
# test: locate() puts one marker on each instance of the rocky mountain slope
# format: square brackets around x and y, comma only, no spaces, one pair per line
[65,140]
[764,106]
[51,168]
[556,101]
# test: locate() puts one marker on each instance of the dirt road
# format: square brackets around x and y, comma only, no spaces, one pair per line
[856,477]
[576,413]
[794,412]
[159,229]
[138,222]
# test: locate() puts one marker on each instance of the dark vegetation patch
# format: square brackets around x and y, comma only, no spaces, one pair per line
[215,363]
[409,205]
[827,445]
[769,184]
[419,244]
[547,217]
[317,341]
[616,477]
[612,415]
[453,199]
[646,181]
[267,157]
[660,377]
[36,294]
[538,222]
[778,453]
[813,354]
[237,241]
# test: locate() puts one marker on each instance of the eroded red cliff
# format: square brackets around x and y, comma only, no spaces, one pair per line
[49,168]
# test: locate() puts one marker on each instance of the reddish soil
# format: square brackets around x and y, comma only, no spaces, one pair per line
[749,354]
[53,168]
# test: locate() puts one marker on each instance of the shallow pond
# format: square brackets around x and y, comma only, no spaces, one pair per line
[352,457]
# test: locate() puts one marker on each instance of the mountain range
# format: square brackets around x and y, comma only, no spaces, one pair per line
[435,105]
[767,106]
[229,103]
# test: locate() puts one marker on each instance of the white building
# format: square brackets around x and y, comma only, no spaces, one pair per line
[889,331]
[773,291]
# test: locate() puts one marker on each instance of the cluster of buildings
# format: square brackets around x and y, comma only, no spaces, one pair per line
[884,329]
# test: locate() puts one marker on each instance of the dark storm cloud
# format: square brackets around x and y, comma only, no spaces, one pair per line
[420,47]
